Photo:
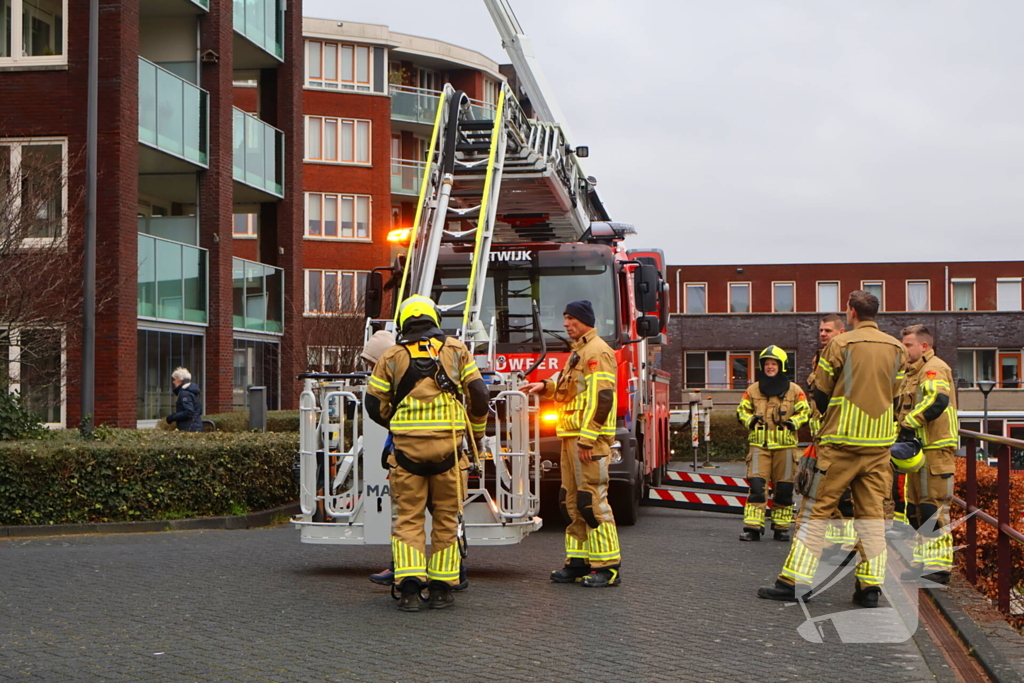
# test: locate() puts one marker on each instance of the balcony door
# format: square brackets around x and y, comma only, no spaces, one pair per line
[1009,370]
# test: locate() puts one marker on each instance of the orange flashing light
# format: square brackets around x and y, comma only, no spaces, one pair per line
[549,416]
[400,236]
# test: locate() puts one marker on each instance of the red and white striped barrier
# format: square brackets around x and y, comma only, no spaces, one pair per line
[707,481]
[696,500]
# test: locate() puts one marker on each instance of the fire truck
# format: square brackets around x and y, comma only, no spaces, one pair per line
[508,229]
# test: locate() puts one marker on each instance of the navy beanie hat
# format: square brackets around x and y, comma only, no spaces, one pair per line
[582,311]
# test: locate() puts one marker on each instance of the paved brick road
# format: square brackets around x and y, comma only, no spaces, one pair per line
[258,605]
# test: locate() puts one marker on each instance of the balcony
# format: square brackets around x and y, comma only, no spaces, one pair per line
[149,9]
[259,34]
[414,105]
[258,160]
[172,280]
[258,296]
[406,176]
[173,122]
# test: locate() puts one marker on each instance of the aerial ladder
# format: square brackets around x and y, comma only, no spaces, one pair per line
[486,180]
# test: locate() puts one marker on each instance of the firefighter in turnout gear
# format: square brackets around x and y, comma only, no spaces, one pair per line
[858,378]
[773,409]
[927,412]
[585,395]
[417,391]
[839,536]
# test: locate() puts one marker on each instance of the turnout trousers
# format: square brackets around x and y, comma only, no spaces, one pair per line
[412,496]
[870,479]
[591,534]
[929,492]
[777,466]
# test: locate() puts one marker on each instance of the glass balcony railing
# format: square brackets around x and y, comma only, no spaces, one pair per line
[415,105]
[258,296]
[184,229]
[172,281]
[258,154]
[262,22]
[173,114]
[406,176]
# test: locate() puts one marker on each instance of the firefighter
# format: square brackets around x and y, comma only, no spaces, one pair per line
[417,391]
[927,412]
[773,409]
[839,536]
[858,378]
[585,395]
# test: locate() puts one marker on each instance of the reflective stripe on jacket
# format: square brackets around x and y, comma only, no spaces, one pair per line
[927,380]
[590,369]
[774,411]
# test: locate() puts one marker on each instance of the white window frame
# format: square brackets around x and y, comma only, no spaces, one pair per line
[817,295]
[16,145]
[881,300]
[1020,295]
[339,82]
[952,292]
[17,47]
[339,199]
[14,369]
[686,299]
[338,275]
[973,350]
[928,295]
[321,122]
[792,284]
[251,226]
[750,297]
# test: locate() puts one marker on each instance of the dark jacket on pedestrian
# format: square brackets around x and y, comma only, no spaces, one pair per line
[188,409]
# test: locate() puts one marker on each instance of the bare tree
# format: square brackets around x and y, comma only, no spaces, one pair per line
[333,338]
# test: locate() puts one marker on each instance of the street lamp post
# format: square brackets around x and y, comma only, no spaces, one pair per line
[986,386]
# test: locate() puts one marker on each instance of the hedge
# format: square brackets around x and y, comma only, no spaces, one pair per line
[988,500]
[277,421]
[728,438]
[129,475]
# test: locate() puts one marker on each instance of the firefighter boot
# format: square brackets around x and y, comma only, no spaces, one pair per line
[463,583]
[782,535]
[604,577]
[751,534]
[784,592]
[572,572]
[411,599]
[386,577]
[440,595]
[867,596]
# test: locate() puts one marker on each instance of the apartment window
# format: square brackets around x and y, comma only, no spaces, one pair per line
[338,66]
[491,90]
[330,140]
[33,194]
[1009,370]
[707,370]
[783,297]
[329,292]
[246,225]
[917,295]
[158,353]
[1008,294]
[696,298]
[33,32]
[256,363]
[334,359]
[828,297]
[741,370]
[974,365]
[739,297]
[963,295]
[337,216]
[878,289]
[32,364]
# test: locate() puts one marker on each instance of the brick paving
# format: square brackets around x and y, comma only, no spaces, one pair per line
[258,605]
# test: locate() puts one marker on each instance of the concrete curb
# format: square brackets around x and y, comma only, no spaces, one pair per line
[992,661]
[255,519]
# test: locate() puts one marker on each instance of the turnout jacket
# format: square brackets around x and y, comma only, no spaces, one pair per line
[856,383]
[585,392]
[427,410]
[927,403]
[770,433]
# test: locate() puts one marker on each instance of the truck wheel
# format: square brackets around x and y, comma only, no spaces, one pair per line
[625,501]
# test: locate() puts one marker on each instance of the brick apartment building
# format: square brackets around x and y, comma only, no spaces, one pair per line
[723,315]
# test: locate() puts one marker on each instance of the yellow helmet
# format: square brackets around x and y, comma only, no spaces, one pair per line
[416,306]
[907,456]
[774,353]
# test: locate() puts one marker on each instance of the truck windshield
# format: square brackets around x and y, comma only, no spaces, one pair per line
[553,278]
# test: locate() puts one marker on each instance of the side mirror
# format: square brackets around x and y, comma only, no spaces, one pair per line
[645,288]
[648,326]
[374,294]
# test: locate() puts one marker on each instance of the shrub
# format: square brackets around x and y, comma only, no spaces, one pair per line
[728,438]
[16,420]
[129,475]
[988,500]
[277,421]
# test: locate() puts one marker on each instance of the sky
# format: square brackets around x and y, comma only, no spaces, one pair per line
[778,131]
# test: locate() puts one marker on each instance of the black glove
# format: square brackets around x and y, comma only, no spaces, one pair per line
[907,434]
[169,420]
[788,424]
[754,421]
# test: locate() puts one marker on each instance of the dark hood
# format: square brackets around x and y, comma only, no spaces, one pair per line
[772,386]
[190,387]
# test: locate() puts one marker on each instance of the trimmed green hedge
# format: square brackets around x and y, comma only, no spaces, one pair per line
[277,421]
[728,438]
[129,475]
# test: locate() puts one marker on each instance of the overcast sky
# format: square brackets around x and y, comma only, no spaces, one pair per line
[788,131]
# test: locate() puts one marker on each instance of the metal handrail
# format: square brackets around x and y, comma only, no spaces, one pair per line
[1001,521]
